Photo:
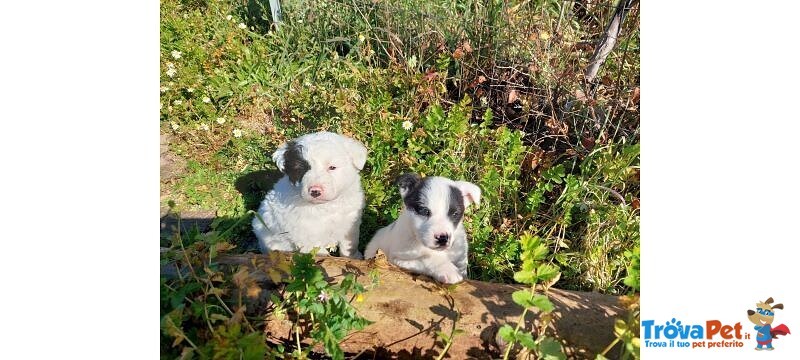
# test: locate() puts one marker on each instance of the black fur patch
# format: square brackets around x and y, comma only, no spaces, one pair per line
[294,165]
[456,209]
[407,181]
[413,185]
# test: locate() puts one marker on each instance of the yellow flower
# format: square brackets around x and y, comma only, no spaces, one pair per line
[360,298]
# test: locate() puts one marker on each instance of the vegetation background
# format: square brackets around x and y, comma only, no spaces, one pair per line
[492,92]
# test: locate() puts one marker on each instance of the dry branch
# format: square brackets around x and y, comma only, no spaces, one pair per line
[609,39]
[408,309]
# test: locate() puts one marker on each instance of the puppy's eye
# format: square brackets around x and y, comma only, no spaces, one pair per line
[331,167]
[423,211]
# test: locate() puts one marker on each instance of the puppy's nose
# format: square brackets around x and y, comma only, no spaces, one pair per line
[441,239]
[315,191]
[750,312]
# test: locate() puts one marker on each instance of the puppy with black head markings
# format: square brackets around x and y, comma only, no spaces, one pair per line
[319,201]
[429,238]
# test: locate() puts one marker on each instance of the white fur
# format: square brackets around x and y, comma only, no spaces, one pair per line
[297,221]
[410,243]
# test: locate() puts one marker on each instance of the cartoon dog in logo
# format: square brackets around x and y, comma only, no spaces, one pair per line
[763,318]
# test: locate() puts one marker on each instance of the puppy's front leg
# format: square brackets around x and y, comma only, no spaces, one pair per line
[447,273]
[348,246]
[276,243]
[440,269]
[320,251]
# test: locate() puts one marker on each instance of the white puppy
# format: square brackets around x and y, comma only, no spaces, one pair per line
[429,237]
[318,203]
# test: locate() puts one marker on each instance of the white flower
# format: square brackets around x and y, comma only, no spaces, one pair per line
[323,297]
[203,127]
[412,62]
[242,26]
[176,54]
[220,120]
[177,102]
[191,90]
[229,17]
[407,125]
[237,133]
[206,99]
[484,101]
[171,72]
[174,126]
[361,38]
[164,89]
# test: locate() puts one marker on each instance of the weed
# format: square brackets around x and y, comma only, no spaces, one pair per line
[535,271]
[204,307]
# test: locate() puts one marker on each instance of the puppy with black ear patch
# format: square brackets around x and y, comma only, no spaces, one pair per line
[429,238]
[319,201]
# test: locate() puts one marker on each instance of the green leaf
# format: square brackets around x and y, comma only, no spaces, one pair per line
[550,349]
[540,252]
[524,277]
[317,309]
[620,328]
[526,340]
[506,333]
[543,303]
[523,298]
[443,336]
[546,272]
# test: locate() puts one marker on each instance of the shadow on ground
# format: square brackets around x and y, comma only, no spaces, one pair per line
[252,187]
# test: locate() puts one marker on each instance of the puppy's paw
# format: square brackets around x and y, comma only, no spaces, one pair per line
[449,276]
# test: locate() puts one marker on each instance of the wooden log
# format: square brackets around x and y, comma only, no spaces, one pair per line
[408,309]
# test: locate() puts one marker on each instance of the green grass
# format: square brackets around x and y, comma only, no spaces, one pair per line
[493,91]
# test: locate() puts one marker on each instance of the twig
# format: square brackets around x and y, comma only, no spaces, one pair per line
[609,39]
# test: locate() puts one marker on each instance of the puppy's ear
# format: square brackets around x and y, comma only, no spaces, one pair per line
[357,152]
[406,182]
[277,156]
[470,191]
[777,306]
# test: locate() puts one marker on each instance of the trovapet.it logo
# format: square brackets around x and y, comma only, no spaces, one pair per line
[714,334]
[711,334]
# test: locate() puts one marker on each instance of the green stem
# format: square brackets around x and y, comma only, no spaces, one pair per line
[297,336]
[450,339]
[608,348]
[511,343]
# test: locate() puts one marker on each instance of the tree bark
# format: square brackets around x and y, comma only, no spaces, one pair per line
[408,309]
